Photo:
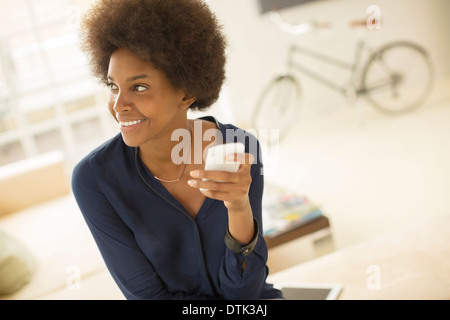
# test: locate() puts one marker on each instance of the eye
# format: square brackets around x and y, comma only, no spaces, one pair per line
[140,88]
[112,86]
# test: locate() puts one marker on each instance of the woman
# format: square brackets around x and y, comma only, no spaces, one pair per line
[168,229]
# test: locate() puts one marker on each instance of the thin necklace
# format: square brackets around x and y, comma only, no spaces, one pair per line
[184,168]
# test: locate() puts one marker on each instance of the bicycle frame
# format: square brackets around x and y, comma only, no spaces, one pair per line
[352,67]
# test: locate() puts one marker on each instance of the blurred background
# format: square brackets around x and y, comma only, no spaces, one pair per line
[369,172]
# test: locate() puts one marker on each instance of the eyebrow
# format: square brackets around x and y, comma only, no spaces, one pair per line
[133,78]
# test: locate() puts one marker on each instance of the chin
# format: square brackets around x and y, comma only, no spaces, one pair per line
[130,142]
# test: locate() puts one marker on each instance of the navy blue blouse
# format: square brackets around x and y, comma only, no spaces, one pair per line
[153,248]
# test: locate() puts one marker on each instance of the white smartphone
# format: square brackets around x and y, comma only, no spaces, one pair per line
[309,291]
[215,157]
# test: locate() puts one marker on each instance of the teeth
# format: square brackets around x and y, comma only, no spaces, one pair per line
[130,123]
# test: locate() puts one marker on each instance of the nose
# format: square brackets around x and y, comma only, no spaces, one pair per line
[121,103]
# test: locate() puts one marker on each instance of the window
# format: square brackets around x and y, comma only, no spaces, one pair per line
[48,98]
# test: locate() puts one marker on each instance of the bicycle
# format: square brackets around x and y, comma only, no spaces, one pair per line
[396,78]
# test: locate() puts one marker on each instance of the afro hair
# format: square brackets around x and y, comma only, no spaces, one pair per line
[180,37]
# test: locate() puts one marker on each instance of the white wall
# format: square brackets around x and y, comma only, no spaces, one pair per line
[257,49]
[369,173]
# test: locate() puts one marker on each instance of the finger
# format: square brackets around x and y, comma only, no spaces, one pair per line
[211,185]
[215,175]
[219,195]
[242,158]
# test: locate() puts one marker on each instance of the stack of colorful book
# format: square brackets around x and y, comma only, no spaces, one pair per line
[283,210]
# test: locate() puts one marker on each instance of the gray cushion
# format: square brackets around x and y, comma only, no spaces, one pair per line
[16,264]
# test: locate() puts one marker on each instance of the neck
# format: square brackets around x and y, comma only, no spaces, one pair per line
[157,153]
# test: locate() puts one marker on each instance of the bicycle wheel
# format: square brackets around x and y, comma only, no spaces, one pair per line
[398,77]
[278,105]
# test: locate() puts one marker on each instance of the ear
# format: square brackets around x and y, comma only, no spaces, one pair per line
[187,100]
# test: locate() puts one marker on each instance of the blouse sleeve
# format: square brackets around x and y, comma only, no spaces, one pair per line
[131,270]
[248,283]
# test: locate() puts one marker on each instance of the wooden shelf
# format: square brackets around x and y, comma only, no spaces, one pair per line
[317,224]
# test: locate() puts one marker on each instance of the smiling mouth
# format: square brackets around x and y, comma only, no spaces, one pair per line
[130,123]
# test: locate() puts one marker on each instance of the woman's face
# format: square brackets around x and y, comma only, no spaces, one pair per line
[142,99]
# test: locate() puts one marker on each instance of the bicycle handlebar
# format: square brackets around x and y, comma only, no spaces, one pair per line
[305,27]
[359,23]
[296,29]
